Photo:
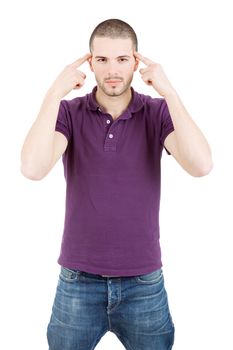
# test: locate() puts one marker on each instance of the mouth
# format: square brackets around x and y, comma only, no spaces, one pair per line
[113,81]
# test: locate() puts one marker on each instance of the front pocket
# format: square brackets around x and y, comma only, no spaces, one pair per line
[69,275]
[152,277]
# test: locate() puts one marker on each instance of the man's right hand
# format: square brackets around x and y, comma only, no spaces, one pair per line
[70,78]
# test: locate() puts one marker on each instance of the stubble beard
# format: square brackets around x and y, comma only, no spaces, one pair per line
[115,91]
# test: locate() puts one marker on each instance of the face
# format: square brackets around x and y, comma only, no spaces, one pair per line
[113,64]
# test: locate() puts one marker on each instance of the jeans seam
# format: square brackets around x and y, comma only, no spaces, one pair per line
[123,340]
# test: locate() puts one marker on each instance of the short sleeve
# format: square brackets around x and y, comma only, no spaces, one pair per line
[63,123]
[166,124]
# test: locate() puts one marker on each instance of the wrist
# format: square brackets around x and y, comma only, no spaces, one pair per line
[170,94]
[51,93]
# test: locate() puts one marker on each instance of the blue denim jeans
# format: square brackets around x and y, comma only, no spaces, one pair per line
[134,308]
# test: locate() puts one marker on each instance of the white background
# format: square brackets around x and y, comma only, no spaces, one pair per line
[192,42]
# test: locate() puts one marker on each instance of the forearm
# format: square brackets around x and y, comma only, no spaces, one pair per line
[192,144]
[37,150]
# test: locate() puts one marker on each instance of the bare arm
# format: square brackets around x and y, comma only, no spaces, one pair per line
[186,143]
[43,146]
[37,150]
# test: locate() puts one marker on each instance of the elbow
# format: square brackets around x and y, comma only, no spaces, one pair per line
[31,173]
[204,169]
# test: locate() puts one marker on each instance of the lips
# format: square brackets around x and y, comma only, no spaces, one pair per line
[113,81]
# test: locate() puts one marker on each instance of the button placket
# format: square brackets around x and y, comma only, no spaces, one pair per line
[111,137]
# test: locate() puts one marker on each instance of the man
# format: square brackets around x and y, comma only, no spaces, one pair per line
[111,141]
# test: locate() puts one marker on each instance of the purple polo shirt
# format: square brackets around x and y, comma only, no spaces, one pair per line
[112,172]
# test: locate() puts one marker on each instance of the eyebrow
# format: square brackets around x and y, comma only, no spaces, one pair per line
[122,56]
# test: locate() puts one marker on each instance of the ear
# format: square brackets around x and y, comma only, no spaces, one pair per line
[136,64]
[90,64]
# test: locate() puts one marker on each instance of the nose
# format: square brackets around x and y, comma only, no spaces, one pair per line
[112,68]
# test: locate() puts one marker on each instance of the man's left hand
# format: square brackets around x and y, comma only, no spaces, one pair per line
[154,75]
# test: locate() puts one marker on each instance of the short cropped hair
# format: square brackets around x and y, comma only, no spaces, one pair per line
[114,28]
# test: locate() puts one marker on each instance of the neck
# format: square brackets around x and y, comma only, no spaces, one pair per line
[113,105]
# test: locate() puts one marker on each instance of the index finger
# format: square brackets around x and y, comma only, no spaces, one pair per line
[81,60]
[145,60]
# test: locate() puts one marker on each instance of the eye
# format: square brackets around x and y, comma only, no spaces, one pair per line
[123,59]
[101,60]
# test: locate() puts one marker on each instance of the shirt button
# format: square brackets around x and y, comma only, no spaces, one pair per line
[110,136]
[108,121]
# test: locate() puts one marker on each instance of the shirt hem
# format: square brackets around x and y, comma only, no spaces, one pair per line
[108,272]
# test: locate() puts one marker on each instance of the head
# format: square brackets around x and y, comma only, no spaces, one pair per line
[112,45]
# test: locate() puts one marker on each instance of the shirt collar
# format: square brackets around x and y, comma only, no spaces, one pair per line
[135,104]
